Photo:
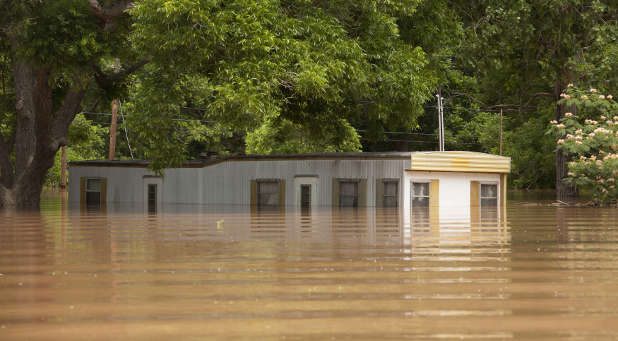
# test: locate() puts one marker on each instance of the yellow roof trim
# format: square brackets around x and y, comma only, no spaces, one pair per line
[458,161]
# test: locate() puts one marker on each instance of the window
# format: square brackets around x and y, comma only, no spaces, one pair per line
[489,195]
[152,198]
[420,194]
[489,204]
[268,194]
[391,189]
[348,193]
[93,192]
[420,205]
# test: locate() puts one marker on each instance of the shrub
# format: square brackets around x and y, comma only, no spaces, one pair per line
[591,139]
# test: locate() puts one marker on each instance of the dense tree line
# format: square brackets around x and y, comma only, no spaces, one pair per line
[288,76]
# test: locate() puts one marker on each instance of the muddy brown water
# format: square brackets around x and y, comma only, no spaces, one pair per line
[225,273]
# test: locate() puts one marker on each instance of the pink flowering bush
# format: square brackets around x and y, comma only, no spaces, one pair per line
[591,138]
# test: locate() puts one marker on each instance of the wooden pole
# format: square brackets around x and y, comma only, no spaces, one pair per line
[63,168]
[500,131]
[112,130]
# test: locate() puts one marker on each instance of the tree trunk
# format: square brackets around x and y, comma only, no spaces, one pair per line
[401,145]
[39,133]
[563,191]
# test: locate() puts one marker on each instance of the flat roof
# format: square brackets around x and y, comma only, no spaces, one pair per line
[209,162]
[446,161]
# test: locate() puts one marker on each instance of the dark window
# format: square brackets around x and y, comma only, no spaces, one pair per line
[348,193]
[420,194]
[268,194]
[152,198]
[93,192]
[391,189]
[305,196]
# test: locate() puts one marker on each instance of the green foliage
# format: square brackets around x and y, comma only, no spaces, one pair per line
[290,76]
[86,142]
[285,137]
[593,142]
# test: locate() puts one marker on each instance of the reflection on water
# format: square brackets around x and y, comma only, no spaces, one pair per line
[194,272]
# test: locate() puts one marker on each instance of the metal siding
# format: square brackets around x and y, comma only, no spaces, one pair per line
[460,162]
[229,182]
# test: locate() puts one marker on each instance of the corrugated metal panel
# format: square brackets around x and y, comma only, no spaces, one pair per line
[230,182]
[460,162]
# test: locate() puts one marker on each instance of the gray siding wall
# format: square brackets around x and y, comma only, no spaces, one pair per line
[229,182]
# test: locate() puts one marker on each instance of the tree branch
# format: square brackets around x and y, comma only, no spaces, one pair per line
[109,12]
[64,116]
[106,81]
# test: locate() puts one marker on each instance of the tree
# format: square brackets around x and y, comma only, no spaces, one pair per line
[52,54]
[524,53]
[281,76]
[592,138]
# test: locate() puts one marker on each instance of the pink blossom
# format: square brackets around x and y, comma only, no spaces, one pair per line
[593,90]
[610,96]
[584,97]
[553,122]
[561,141]
[568,114]
[601,97]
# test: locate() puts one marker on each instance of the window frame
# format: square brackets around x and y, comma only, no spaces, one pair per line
[258,202]
[420,181]
[100,191]
[396,195]
[357,196]
[497,197]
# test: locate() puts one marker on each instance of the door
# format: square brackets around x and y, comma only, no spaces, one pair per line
[306,191]
[153,194]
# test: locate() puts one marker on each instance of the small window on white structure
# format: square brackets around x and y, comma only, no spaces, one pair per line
[420,205]
[420,194]
[489,204]
[348,194]
[489,195]
[93,192]
[390,193]
[268,194]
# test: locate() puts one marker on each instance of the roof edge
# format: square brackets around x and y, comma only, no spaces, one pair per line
[210,162]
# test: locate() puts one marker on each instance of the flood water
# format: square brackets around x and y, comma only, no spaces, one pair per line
[225,273]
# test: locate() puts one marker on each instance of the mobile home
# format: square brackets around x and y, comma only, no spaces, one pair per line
[445,184]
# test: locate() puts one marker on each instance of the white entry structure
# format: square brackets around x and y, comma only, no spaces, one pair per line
[429,186]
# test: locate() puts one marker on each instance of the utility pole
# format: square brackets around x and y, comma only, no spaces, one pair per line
[112,127]
[440,121]
[63,168]
[112,130]
[500,131]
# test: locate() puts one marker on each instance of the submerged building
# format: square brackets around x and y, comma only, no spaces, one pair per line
[436,185]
